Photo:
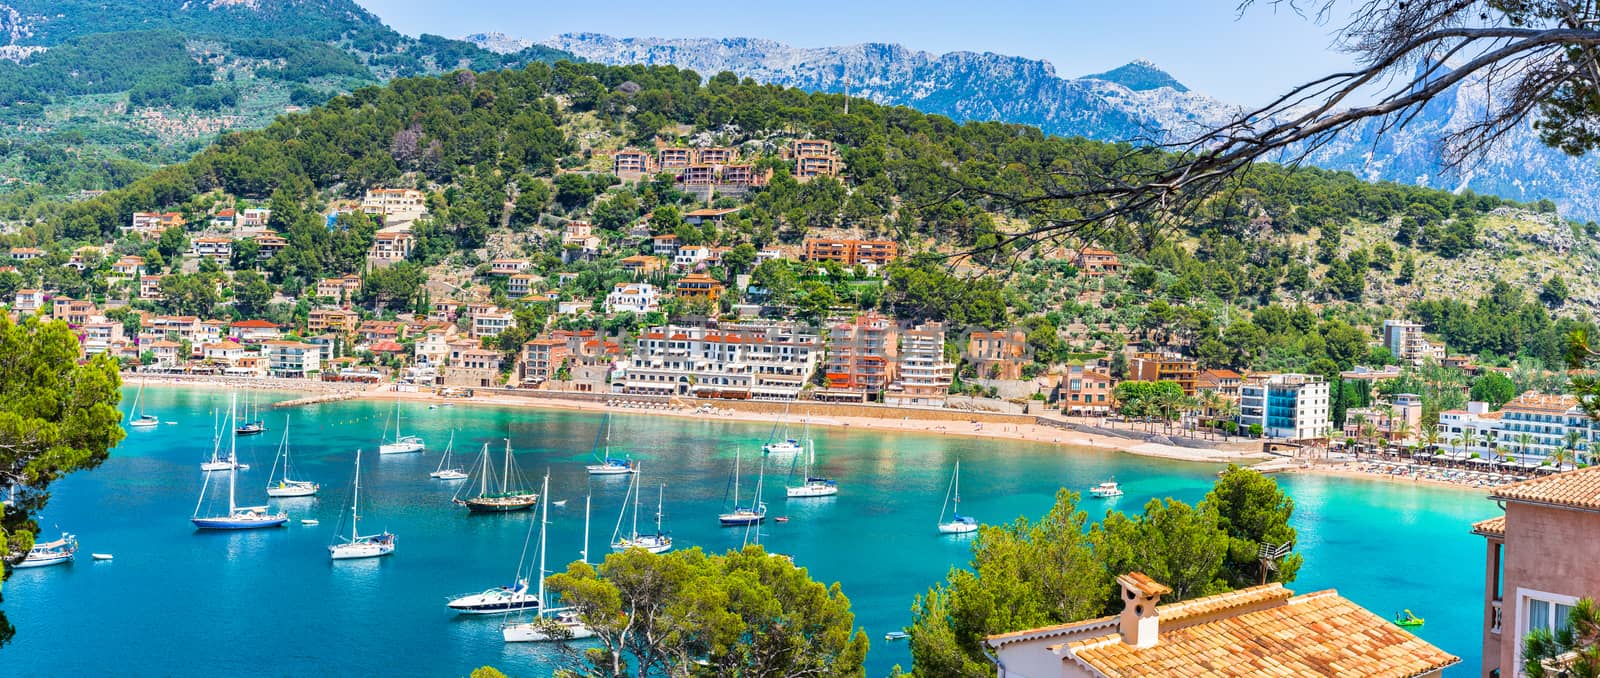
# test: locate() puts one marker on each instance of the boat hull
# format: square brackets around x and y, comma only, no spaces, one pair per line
[605,470]
[223,466]
[231,523]
[399,448]
[372,547]
[499,504]
[812,490]
[494,602]
[451,474]
[649,543]
[145,422]
[957,528]
[739,520]
[292,490]
[546,632]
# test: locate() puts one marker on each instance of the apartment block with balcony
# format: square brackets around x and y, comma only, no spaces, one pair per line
[998,355]
[1162,366]
[862,356]
[292,359]
[539,361]
[716,155]
[923,376]
[699,286]
[1084,391]
[852,253]
[675,158]
[633,298]
[632,163]
[336,320]
[391,246]
[395,205]
[152,224]
[1290,406]
[219,250]
[490,323]
[520,285]
[758,360]
[1539,560]
[1404,339]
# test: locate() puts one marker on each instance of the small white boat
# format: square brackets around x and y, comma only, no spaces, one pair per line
[782,448]
[756,512]
[1106,490]
[51,552]
[660,542]
[218,460]
[284,486]
[446,471]
[101,556]
[896,635]
[308,522]
[359,545]
[958,524]
[814,486]
[402,444]
[136,415]
[608,466]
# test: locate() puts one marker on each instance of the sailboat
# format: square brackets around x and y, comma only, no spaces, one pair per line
[217,461]
[753,514]
[814,486]
[286,486]
[45,554]
[510,496]
[402,444]
[551,623]
[660,542]
[445,470]
[237,517]
[783,447]
[136,415]
[358,545]
[509,598]
[252,426]
[959,524]
[608,465]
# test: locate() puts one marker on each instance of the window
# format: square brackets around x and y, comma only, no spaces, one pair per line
[1540,610]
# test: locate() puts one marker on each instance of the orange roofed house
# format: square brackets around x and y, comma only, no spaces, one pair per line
[1256,631]
[1096,262]
[1541,558]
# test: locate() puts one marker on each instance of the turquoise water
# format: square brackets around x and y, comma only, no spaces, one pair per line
[177,602]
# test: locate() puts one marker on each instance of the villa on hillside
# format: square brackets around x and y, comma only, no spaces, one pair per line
[1257,631]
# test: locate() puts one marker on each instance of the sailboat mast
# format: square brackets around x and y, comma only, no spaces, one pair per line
[736,480]
[483,481]
[636,507]
[584,552]
[958,485]
[661,498]
[355,501]
[544,529]
[233,455]
[505,471]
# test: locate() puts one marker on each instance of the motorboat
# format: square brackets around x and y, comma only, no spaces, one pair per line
[51,552]
[1106,490]
[512,598]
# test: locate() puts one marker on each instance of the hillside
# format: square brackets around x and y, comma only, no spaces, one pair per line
[1134,102]
[96,92]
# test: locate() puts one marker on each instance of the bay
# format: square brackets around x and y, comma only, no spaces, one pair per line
[269,602]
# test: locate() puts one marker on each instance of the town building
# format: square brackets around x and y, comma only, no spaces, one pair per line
[27,302]
[390,246]
[640,264]
[395,205]
[1292,406]
[224,220]
[219,250]
[814,158]
[851,253]
[268,246]
[862,356]
[715,215]
[998,355]
[1262,630]
[579,240]
[292,359]
[520,285]
[755,360]
[675,158]
[167,354]
[540,360]
[129,267]
[490,323]
[1539,560]
[99,336]
[74,312]
[150,287]
[1084,391]
[253,218]
[1535,424]
[633,298]
[473,367]
[152,224]
[26,253]
[1397,420]
[923,376]
[716,155]
[664,246]
[336,320]
[698,175]
[631,163]
[1163,366]
[253,331]
[699,286]
[1404,339]
[690,257]
[339,289]
[1223,382]
[1095,262]
[508,266]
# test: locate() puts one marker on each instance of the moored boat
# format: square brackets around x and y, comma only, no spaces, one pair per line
[510,496]
[285,486]
[550,623]
[753,514]
[237,517]
[660,542]
[609,465]
[359,545]
[402,444]
[51,552]
[958,524]
[136,414]
[446,470]
[1106,490]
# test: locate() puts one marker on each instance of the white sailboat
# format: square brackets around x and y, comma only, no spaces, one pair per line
[286,486]
[551,623]
[784,447]
[660,542]
[608,466]
[253,424]
[958,524]
[753,514]
[508,598]
[237,517]
[402,444]
[358,545]
[813,486]
[446,471]
[136,415]
[218,461]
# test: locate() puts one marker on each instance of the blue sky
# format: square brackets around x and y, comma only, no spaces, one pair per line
[1204,43]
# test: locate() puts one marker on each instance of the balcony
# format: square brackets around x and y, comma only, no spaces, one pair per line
[1494,617]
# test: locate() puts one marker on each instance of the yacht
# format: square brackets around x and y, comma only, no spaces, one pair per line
[51,552]
[512,598]
[359,545]
[1106,490]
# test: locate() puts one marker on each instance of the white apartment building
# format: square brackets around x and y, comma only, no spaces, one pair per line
[924,374]
[633,298]
[1293,406]
[690,256]
[216,249]
[1528,428]
[395,204]
[1475,424]
[755,360]
[490,323]
[292,359]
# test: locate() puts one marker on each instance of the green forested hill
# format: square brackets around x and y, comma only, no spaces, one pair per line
[109,89]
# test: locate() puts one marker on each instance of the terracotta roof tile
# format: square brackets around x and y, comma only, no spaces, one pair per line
[1577,489]
[1493,527]
[1317,634]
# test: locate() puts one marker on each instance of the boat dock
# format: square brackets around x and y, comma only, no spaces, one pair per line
[313,400]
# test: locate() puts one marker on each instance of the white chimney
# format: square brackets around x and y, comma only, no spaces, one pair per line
[1139,624]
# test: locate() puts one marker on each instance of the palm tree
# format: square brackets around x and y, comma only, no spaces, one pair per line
[1369,431]
[1524,441]
[1430,438]
[1573,650]
[1574,436]
[1469,439]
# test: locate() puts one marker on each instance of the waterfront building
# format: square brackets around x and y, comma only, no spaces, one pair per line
[1084,392]
[1223,382]
[1163,366]
[923,375]
[473,367]
[1540,559]
[1404,339]
[253,331]
[331,320]
[539,361]
[861,360]
[292,359]
[1528,428]
[1292,406]
[491,322]
[740,360]
[1397,420]
[1256,631]
[998,355]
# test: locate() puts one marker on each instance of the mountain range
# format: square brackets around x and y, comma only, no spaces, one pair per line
[1135,102]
